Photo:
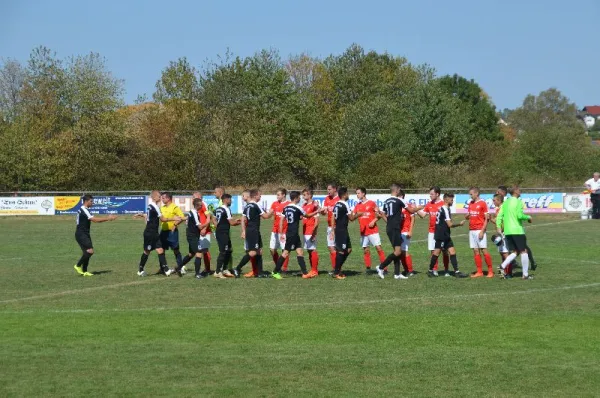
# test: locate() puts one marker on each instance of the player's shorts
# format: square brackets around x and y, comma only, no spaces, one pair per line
[275,242]
[193,243]
[395,237]
[431,241]
[373,240]
[204,242]
[405,242]
[516,243]
[330,242]
[342,241]
[253,240]
[475,242]
[224,242]
[292,242]
[152,241]
[444,244]
[169,239]
[84,241]
[310,244]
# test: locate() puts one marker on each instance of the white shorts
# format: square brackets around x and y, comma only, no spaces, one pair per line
[330,242]
[405,242]
[503,248]
[430,242]
[373,240]
[475,242]
[204,242]
[276,243]
[309,244]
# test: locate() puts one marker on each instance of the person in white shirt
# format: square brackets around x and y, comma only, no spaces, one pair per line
[593,185]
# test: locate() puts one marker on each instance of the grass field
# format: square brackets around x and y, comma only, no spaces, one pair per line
[118,334]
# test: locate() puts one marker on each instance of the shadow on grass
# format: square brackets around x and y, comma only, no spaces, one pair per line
[101,272]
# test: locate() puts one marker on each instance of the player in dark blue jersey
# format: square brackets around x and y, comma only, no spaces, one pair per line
[341,216]
[223,221]
[82,233]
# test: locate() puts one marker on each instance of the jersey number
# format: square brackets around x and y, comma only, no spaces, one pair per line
[289,216]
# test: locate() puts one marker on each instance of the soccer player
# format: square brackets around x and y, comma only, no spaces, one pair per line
[251,234]
[593,186]
[408,223]
[169,233]
[254,272]
[293,214]
[82,233]
[328,204]
[152,240]
[431,209]
[341,216]
[503,190]
[478,216]
[192,234]
[510,222]
[223,221]
[219,192]
[205,233]
[502,249]
[443,241]
[392,214]
[310,228]
[279,229]
[369,232]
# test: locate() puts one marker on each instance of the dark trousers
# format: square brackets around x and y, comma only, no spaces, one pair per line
[595,206]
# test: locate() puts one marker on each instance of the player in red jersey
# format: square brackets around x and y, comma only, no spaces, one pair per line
[310,227]
[369,232]
[408,223]
[478,216]
[277,236]
[431,209]
[330,200]
[205,232]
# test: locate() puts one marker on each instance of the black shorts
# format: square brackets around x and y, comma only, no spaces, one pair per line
[84,241]
[224,242]
[292,242]
[444,244]
[193,243]
[169,239]
[253,240]
[516,243]
[152,241]
[395,237]
[342,241]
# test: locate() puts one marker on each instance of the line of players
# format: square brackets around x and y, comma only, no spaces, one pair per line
[161,232]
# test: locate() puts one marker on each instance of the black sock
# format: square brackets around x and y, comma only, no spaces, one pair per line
[454,262]
[162,262]
[279,264]
[220,262]
[197,264]
[397,266]
[143,261]
[86,261]
[433,261]
[228,261]
[243,262]
[178,260]
[81,260]
[531,260]
[259,263]
[388,261]
[302,264]
[339,261]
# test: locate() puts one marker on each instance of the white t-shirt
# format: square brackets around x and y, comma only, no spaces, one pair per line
[594,184]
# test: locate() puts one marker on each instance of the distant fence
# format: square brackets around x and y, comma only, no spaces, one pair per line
[132,202]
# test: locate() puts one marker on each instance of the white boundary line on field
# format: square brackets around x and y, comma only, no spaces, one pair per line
[305,304]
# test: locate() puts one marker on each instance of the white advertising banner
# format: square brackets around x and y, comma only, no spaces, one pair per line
[27,206]
[576,202]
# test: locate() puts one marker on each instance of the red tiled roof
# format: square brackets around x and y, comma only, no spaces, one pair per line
[592,110]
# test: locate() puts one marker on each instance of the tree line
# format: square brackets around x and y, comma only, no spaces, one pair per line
[358,118]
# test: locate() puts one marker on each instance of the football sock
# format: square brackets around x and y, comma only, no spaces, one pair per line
[454,261]
[489,262]
[244,261]
[397,266]
[339,261]
[478,263]
[197,264]
[387,261]
[178,260]
[367,258]
[530,255]
[143,261]
[220,262]
[278,265]
[226,261]
[525,264]
[253,263]
[435,267]
[259,263]
[302,264]
[446,261]
[333,258]
[206,262]
[82,259]
[403,261]
[381,254]
[508,260]
[186,260]
[162,261]
[314,261]
[275,256]
[433,262]
[409,263]
[86,261]
[285,263]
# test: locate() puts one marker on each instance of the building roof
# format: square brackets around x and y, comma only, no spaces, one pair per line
[592,110]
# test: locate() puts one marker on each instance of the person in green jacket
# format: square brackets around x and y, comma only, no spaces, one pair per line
[510,222]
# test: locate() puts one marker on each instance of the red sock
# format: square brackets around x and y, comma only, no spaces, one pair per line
[446,261]
[478,263]
[381,255]
[488,261]
[435,267]
[314,261]
[409,262]
[508,269]
[275,256]
[285,263]
[332,257]
[207,261]
[403,261]
[254,267]
[367,257]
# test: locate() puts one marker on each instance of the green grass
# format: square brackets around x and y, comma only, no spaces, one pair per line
[117,334]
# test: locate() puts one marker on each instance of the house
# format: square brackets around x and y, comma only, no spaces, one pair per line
[590,115]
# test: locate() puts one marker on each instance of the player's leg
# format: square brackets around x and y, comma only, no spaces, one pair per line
[205,249]
[474,245]
[277,270]
[405,258]
[149,245]
[521,244]
[174,243]
[302,262]
[453,259]
[431,247]
[364,242]
[331,247]
[435,254]
[396,241]
[274,244]
[311,247]
[488,262]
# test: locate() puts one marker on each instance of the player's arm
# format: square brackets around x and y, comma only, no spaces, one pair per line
[139,215]
[382,214]
[521,214]
[103,219]
[353,216]
[243,224]
[316,226]
[412,225]
[267,214]
[421,213]
[413,210]
[165,219]
[499,220]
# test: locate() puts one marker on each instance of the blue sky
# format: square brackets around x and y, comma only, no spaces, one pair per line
[511,48]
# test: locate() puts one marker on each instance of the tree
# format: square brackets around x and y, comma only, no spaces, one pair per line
[12,77]
[178,82]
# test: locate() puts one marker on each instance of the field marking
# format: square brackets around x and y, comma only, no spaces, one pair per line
[76,291]
[305,304]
